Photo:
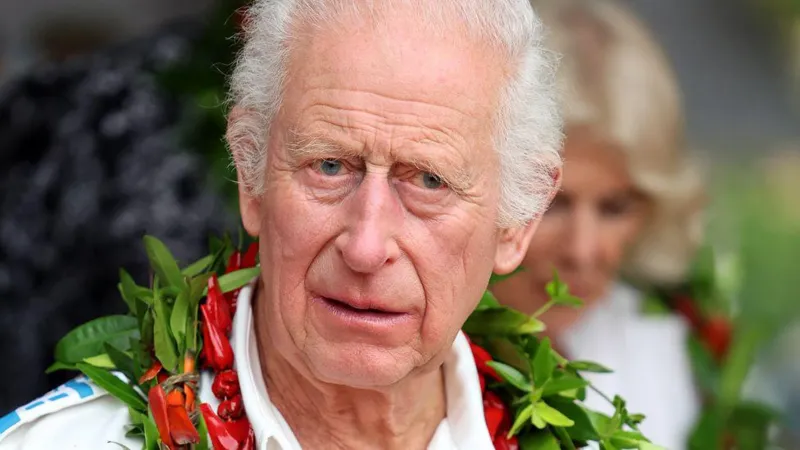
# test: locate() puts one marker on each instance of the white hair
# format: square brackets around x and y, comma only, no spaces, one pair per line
[528,132]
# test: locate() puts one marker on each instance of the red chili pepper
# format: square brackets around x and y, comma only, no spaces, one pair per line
[216,347]
[481,358]
[232,408]
[162,377]
[218,306]
[151,372]
[239,429]
[493,418]
[221,438]
[181,428]
[250,442]
[686,307]
[494,411]
[716,334]
[226,384]
[234,262]
[158,405]
[483,383]
[503,443]
[249,258]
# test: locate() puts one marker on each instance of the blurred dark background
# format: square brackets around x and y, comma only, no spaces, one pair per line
[111,125]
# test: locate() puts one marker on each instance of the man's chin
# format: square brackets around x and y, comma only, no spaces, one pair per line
[360,366]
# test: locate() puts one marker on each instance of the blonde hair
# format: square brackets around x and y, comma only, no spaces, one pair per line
[616,80]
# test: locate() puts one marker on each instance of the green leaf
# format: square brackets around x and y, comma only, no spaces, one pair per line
[488,301]
[202,430]
[171,292]
[198,266]
[512,375]
[56,366]
[750,424]
[127,295]
[569,300]
[537,420]
[162,338]
[552,415]
[131,291]
[565,438]
[523,417]
[543,363]
[601,422]
[196,287]
[501,322]
[543,440]
[146,324]
[495,278]
[87,340]
[114,386]
[102,361]
[163,262]
[627,439]
[704,367]
[588,366]
[650,446]
[179,320]
[555,288]
[566,383]
[122,361]
[584,429]
[151,437]
[240,278]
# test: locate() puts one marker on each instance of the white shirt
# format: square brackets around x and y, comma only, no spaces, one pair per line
[652,370]
[80,415]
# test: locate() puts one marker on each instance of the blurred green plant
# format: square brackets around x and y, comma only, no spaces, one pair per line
[755,234]
[201,85]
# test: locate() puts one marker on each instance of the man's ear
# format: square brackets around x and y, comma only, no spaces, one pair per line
[512,246]
[513,242]
[241,143]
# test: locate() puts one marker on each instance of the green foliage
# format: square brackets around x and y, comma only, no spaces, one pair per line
[544,388]
[200,83]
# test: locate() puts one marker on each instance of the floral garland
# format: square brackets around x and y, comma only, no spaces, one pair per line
[150,360]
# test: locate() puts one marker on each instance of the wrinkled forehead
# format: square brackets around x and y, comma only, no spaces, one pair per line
[396,53]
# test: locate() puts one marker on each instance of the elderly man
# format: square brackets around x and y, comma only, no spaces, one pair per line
[391,155]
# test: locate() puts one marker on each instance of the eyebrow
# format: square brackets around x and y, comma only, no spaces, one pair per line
[302,147]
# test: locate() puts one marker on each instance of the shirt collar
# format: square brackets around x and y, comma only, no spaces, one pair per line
[464,422]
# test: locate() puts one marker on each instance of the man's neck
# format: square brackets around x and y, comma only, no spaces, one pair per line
[404,416]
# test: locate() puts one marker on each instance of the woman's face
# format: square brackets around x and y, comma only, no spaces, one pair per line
[584,235]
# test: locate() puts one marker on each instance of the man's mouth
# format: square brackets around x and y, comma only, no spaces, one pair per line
[362,311]
[357,308]
[358,319]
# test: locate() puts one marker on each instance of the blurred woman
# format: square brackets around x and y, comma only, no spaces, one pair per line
[629,209]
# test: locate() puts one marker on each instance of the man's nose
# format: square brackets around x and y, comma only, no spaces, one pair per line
[375,215]
[583,241]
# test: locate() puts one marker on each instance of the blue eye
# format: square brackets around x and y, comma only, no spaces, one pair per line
[431,181]
[330,167]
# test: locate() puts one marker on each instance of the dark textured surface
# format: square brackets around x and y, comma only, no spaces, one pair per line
[90,160]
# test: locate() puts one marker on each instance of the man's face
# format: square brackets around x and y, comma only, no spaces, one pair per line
[378,218]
